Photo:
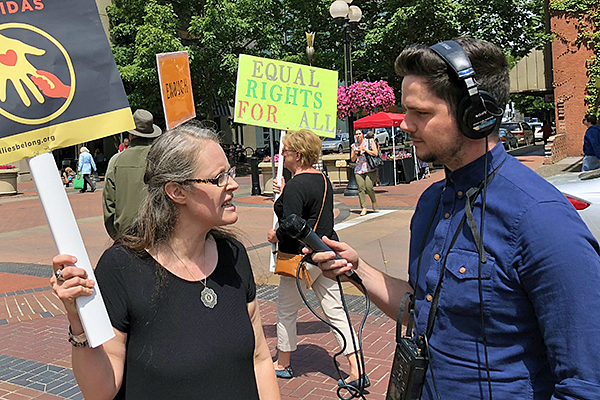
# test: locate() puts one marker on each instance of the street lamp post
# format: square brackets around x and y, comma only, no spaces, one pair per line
[346,18]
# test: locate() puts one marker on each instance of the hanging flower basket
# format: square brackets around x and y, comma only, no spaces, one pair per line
[365,97]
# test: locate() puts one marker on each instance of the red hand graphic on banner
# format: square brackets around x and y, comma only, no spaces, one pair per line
[50,85]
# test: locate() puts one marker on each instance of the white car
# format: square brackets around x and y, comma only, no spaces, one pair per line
[538,135]
[383,137]
[582,189]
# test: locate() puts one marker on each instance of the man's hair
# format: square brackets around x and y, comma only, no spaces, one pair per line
[488,61]
[307,143]
[591,119]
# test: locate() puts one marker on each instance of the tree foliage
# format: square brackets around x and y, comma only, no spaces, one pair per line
[215,32]
[533,106]
[587,14]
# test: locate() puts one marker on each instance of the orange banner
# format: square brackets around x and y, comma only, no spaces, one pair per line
[176,87]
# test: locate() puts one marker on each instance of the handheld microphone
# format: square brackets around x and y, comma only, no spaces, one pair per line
[297,228]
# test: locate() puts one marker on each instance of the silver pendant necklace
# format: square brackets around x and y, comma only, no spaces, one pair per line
[207,296]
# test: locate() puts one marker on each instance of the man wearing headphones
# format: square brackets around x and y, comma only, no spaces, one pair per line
[505,274]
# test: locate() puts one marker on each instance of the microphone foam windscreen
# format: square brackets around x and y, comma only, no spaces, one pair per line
[293,225]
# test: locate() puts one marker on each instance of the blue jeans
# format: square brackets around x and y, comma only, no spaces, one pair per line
[590,163]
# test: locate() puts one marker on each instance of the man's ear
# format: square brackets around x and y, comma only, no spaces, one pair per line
[176,192]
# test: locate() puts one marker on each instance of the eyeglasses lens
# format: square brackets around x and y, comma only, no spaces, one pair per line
[224,177]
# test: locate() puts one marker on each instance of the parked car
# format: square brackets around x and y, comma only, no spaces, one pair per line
[521,130]
[582,189]
[339,144]
[383,137]
[508,139]
[537,130]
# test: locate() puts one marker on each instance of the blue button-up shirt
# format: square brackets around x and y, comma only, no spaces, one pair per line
[541,288]
[591,141]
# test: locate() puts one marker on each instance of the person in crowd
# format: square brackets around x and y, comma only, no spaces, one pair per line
[86,167]
[67,176]
[100,161]
[513,315]
[124,188]
[546,131]
[423,167]
[309,194]
[179,289]
[123,146]
[365,176]
[591,144]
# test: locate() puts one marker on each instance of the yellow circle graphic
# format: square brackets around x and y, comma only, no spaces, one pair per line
[57,113]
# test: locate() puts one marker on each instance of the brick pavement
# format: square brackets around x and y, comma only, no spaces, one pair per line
[35,356]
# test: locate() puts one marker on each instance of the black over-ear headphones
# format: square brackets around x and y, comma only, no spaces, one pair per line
[478,113]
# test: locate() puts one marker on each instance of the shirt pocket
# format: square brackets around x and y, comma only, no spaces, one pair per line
[460,288]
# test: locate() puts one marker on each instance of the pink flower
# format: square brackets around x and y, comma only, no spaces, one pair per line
[369,97]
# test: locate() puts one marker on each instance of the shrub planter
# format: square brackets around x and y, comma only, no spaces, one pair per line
[267,175]
[8,181]
[337,166]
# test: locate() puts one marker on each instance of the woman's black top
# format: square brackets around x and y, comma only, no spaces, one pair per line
[176,347]
[303,196]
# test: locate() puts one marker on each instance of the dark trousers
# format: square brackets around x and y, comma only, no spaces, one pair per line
[87,180]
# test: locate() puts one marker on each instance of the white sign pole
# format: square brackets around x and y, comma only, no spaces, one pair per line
[275,220]
[394,151]
[67,238]
[416,163]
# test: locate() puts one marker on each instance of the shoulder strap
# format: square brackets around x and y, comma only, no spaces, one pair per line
[408,296]
[322,204]
[471,196]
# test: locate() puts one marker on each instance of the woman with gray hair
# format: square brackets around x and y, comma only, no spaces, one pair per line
[179,290]
[86,166]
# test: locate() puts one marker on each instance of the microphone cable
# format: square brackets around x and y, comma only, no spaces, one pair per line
[355,392]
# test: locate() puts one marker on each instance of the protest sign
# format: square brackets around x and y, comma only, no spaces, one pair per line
[59,85]
[176,87]
[287,96]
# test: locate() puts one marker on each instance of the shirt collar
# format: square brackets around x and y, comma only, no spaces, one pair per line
[140,141]
[471,174]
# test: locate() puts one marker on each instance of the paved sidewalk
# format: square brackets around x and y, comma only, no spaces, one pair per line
[35,355]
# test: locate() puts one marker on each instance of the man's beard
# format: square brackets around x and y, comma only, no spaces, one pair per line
[449,155]
[429,157]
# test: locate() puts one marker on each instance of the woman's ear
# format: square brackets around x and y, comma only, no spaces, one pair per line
[176,192]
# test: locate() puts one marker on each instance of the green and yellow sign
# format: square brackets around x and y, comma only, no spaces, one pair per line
[287,96]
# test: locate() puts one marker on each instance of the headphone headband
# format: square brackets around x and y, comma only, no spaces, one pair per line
[474,116]
[455,57]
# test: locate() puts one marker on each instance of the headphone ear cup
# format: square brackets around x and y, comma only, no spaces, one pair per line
[485,116]
[464,108]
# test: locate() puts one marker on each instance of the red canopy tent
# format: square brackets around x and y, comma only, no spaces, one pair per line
[379,120]
[383,120]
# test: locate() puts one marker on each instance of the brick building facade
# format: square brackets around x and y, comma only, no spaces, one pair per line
[570,79]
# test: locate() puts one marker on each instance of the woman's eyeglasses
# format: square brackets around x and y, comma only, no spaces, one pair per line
[220,180]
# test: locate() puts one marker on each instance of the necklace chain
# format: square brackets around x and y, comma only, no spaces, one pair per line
[208,295]
[186,267]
